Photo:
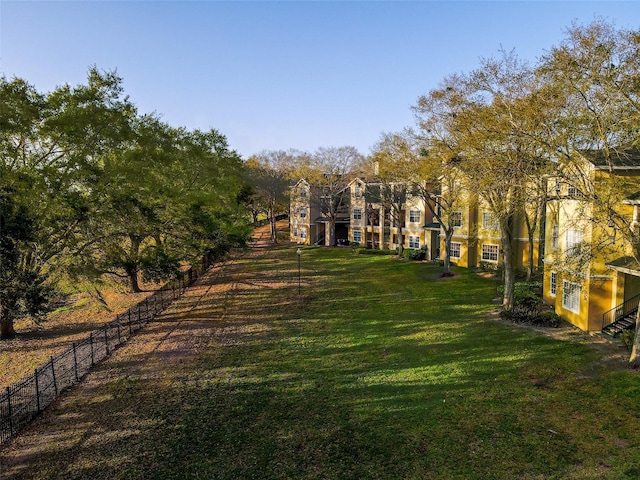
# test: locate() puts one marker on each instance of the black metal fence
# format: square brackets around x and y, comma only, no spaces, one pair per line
[22,401]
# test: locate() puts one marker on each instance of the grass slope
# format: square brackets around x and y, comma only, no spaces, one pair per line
[381,370]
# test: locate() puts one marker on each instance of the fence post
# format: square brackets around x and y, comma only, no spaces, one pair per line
[91,344]
[35,375]
[106,340]
[9,412]
[75,361]
[53,375]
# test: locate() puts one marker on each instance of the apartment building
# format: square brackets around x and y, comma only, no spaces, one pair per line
[591,276]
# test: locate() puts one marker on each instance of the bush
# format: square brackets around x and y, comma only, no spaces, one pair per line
[415,254]
[627,337]
[521,314]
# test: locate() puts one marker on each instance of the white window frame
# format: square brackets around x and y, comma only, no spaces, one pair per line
[303,232]
[489,221]
[571,296]
[456,219]
[455,250]
[357,236]
[555,233]
[573,239]
[295,231]
[357,214]
[414,215]
[303,212]
[414,241]
[553,283]
[303,191]
[492,250]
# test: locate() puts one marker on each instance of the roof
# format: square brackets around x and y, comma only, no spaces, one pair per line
[621,159]
[432,226]
[625,264]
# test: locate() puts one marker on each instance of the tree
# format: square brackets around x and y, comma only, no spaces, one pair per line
[48,149]
[330,170]
[22,290]
[437,176]
[163,199]
[595,75]
[269,175]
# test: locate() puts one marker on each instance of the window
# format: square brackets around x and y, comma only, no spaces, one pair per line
[554,237]
[574,239]
[558,187]
[357,214]
[414,216]
[454,251]
[456,219]
[358,191]
[488,221]
[414,241]
[553,284]
[571,296]
[303,212]
[295,231]
[490,252]
[303,192]
[303,232]
[572,191]
[357,236]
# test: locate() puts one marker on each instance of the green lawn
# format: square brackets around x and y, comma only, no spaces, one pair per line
[382,370]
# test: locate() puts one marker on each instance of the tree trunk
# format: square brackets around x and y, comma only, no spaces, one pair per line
[274,227]
[530,259]
[400,241]
[332,232]
[132,274]
[132,267]
[7,331]
[448,235]
[634,359]
[508,267]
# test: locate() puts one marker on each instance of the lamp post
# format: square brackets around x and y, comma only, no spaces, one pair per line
[299,253]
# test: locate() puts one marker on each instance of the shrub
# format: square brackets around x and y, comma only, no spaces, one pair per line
[415,254]
[521,314]
[488,266]
[627,337]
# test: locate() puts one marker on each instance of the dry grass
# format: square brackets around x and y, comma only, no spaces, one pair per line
[83,313]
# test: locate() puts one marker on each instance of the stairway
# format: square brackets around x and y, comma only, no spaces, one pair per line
[625,322]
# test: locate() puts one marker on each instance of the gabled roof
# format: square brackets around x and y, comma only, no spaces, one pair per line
[618,159]
[301,181]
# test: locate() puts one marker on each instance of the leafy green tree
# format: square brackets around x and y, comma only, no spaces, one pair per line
[22,290]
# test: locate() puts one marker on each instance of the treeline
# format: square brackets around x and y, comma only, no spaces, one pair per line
[498,132]
[91,187]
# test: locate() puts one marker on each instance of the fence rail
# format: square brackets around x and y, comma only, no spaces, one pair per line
[25,399]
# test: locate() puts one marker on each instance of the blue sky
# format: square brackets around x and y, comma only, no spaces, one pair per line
[279,75]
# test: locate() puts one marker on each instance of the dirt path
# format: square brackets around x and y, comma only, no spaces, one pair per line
[77,419]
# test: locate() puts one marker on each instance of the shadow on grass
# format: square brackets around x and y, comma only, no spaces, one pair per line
[376,373]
